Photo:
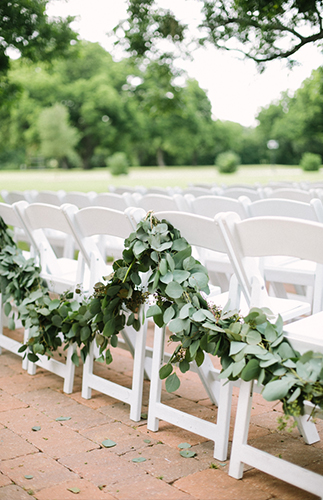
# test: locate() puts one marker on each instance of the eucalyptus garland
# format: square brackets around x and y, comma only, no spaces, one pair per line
[158,264]
[18,276]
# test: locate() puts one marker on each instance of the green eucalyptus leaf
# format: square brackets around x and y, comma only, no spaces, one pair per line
[153,310]
[108,443]
[54,304]
[184,446]
[199,280]
[170,262]
[187,453]
[277,389]
[75,359]
[185,310]
[174,290]
[167,278]
[7,308]
[163,268]
[11,324]
[180,276]
[251,370]
[168,314]
[165,371]
[236,347]
[253,337]
[184,366]
[172,383]
[199,357]
[178,325]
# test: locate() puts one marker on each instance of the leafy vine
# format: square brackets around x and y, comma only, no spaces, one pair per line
[158,263]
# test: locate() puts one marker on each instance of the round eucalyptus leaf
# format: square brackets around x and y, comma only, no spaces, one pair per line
[108,443]
[187,453]
[172,383]
[184,446]
[174,290]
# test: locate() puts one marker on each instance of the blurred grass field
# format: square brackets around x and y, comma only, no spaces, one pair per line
[99,180]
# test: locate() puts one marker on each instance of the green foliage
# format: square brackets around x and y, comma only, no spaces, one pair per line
[310,162]
[57,137]
[227,162]
[255,28]
[118,164]
[18,275]
[48,317]
[25,27]
[158,262]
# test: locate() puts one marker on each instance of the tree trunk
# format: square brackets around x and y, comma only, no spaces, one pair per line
[160,158]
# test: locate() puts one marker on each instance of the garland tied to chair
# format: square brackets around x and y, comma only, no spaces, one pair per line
[250,348]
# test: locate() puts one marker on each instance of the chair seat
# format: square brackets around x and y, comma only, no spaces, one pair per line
[306,333]
[287,308]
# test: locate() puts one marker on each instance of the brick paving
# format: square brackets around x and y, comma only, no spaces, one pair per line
[65,460]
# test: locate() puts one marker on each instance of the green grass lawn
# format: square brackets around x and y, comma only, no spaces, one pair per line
[99,180]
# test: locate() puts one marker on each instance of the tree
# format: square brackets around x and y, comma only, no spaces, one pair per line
[262,30]
[25,26]
[58,137]
[296,122]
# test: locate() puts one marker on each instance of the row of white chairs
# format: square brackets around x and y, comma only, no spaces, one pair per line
[278,271]
[130,194]
[243,241]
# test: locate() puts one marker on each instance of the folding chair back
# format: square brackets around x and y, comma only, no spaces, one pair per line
[259,237]
[81,200]
[278,236]
[209,206]
[202,232]
[114,200]
[11,218]
[158,202]
[87,224]
[60,274]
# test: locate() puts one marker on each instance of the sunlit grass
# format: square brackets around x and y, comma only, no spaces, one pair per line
[99,180]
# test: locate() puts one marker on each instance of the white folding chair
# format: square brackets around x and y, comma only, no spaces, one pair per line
[199,231]
[112,246]
[14,196]
[197,191]
[288,270]
[49,197]
[61,274]
[158,202]
[236,192]
[10,217]
[115,201]
[291,193]
[277,236]
[245,268]
[57,239]
[81,200]
[86,224]
[218,264]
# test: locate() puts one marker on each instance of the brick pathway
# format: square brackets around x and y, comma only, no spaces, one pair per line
[65,460]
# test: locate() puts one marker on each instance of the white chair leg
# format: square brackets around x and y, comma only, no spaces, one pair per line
[156,383]
[70,371]
[240,435]
[138,373]
[87,371]
[307,429]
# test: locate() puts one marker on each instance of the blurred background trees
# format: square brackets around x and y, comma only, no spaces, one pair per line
[103,107]
[69,101]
